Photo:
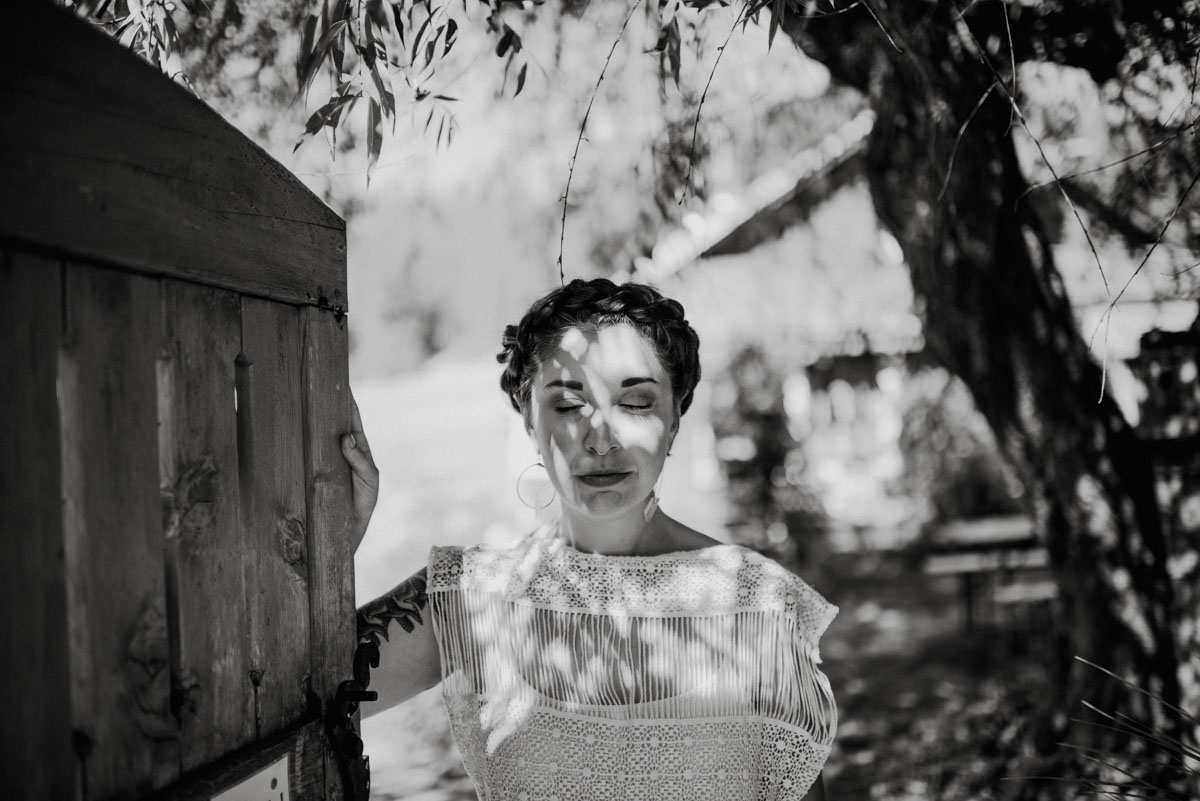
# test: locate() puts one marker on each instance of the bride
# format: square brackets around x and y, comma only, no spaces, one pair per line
[615,653]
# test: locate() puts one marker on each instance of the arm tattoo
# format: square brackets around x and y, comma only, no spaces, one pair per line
[403,604]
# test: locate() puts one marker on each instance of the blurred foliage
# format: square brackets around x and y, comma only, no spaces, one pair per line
[952,466]
[773,506]
[1104,92]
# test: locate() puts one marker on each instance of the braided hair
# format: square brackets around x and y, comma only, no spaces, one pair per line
[595,304]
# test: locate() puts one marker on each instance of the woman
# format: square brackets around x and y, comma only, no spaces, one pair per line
[615,653]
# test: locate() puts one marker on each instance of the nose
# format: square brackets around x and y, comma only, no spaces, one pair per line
[599,438]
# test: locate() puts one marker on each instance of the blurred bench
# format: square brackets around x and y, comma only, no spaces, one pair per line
[997,553]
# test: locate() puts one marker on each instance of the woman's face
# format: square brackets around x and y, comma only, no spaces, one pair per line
[603,416]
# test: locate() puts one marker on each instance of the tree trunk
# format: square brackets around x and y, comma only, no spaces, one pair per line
[996,314]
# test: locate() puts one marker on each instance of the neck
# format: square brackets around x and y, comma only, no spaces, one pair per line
[625,534]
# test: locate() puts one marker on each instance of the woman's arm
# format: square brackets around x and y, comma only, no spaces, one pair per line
[817,791]
[397,626]
[394,634]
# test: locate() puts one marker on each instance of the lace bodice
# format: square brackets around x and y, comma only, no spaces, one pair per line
[571,676]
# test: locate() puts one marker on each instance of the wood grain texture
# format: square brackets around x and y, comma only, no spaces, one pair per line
[206,589]
[273,503]
[304,745]
[33,596]
[119,654]
[104,158]
[330,510]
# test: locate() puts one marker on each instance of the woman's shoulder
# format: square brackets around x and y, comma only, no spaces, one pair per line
[766,583]
[497,560]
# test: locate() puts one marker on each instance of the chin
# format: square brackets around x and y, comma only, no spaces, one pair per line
[604,505]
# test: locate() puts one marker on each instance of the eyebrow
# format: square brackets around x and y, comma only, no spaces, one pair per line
[628,382]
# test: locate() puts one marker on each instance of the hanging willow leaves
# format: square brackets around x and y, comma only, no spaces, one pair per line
[392,58]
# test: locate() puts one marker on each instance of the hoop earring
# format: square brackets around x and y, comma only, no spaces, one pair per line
[539,492]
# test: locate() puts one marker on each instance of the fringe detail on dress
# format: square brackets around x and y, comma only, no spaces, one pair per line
[724,669]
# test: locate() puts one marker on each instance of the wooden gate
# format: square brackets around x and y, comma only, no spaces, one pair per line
[174,510]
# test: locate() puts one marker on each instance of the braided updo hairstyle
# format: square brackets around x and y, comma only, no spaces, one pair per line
[593,305]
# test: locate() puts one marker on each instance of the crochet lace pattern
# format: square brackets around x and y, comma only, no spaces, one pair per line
[583,677]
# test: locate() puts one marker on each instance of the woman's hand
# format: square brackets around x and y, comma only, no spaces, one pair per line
[364,473]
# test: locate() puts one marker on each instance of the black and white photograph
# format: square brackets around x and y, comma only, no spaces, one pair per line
[600,400]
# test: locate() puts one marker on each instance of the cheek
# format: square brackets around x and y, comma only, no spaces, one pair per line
[558,438]
[646,435]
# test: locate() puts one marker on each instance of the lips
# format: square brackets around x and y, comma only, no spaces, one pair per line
[603,479]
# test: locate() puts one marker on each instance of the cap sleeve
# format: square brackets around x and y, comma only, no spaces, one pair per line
[445,568]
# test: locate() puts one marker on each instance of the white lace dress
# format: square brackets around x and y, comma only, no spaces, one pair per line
[582,677]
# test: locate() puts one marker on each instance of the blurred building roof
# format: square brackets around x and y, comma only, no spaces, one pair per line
[771,203]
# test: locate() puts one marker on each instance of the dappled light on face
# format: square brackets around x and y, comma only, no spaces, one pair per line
[602,415]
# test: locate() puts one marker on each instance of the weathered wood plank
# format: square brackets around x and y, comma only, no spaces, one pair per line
[33,595]
[304,746]
[119,654]
[103,157]
[273,503]
[206,593]
[331,554]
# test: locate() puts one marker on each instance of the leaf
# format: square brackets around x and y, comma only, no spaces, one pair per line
[505,41]
[430,49]
[170,34]
[320,118]
[673,45]
[368,50]
[508,40]
[327,40]
[660,44]
[307,61]
[417,41]
[385,96]
[327,115]
[308,33]
[398,18]
[335,119]
[130,33]
[521,79]
[374,136]
[778,9]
